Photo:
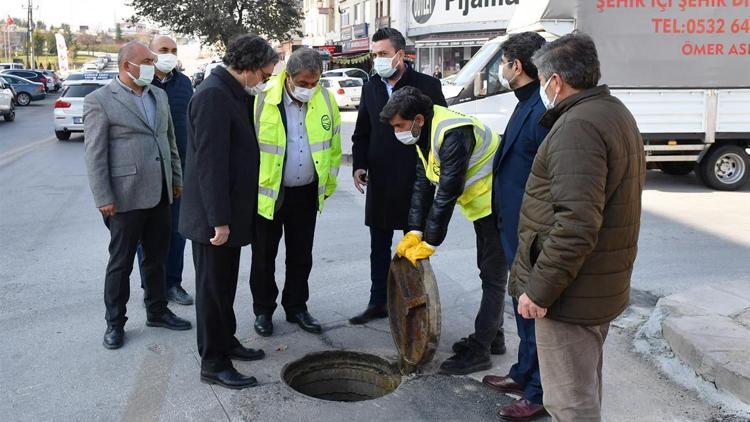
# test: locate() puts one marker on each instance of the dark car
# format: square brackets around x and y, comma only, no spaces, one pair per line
[197,78]
[32,75]
[26,90]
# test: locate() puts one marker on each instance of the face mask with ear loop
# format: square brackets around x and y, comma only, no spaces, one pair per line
[505,82]
[407,137]
[254,90]
[549,105]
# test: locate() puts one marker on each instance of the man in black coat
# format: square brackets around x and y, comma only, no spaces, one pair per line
[381,163]
[220,199]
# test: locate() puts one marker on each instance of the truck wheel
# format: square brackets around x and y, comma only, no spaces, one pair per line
[676,169]
[725,168]
[62,135]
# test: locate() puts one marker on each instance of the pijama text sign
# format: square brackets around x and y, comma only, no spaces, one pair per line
[439,12]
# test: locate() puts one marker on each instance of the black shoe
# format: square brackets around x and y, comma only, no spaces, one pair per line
[228,378]
[114,337]
[306,322]
[371,313]
[247,354]
[467,362]
[169,321]
[178,295]
[263,325]
[496,348]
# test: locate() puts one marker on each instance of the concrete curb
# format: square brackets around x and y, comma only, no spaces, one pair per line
[708,330]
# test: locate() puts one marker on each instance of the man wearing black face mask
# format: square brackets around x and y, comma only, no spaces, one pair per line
[383,165]
[512,166]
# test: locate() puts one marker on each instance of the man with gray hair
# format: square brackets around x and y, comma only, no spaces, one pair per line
[298,125]
[579,224]
[135,174]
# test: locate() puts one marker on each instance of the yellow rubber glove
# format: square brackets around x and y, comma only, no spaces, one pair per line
[409,241]
[422,251]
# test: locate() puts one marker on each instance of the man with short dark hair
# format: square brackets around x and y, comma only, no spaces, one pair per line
[221,192]
[382,164]
[579,225]
[512,166]
[455,166]
[134,172]
[299,135]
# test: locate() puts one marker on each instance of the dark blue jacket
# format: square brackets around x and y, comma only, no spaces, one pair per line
[512,166]
[179,91]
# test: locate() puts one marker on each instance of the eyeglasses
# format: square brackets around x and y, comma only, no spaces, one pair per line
[265,76]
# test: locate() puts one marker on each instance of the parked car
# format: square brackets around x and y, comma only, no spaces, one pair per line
[26,90]
[7,101]
[197,79]
[89,76]
[346,91]
[351,72]
[32,75]
[4,66]
[69,107]
[54,82]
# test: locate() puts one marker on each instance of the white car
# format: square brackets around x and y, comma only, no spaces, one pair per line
[7,102]
[69,107]
[346,91]
[347,72]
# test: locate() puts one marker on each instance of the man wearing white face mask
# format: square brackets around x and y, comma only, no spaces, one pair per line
[455,167]
[135,174]
[179,91]
[298,126]
[382,164]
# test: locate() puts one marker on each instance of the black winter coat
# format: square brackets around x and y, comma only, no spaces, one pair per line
[221,174]
[390,164]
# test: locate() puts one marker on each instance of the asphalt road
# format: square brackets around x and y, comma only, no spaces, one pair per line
[54,252]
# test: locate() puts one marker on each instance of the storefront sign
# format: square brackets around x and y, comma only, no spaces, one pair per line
[424,13]
[359,44]
[346,33]
[359,31]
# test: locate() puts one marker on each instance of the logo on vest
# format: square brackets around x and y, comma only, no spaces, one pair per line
[325,121]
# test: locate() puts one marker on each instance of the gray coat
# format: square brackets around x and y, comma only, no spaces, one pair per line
[125,157]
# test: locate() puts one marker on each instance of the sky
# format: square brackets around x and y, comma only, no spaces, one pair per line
[97,14]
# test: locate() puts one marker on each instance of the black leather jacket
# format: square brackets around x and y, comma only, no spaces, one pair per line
[431,211]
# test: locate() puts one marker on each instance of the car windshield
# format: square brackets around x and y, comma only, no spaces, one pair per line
[18,80]
[79,91]
[333,74]
[75,77]
[476,64]
[350,83]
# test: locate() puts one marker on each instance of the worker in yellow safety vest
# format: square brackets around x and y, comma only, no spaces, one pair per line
[298,129]
[456,154]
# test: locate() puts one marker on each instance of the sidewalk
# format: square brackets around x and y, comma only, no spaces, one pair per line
[708,329]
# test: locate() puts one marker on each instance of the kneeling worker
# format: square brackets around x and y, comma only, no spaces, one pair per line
[456,154]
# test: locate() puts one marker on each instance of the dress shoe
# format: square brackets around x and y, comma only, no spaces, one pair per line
[306,322]
[244,353]
[114,337]
[371,313]
[521,410]
[178,295]
[496,348]
[503,384]
[466,362]
[263,325]
[169,321]
[228,378]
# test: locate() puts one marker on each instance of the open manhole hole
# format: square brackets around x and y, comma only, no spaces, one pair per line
[342,376]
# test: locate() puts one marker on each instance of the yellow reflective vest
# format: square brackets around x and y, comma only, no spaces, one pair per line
[323,125]
[476,199]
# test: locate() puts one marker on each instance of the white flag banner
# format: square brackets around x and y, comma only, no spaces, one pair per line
[62,54]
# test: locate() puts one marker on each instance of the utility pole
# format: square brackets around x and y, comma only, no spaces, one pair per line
[29,34]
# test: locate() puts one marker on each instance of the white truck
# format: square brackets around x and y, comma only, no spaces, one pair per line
[681,67]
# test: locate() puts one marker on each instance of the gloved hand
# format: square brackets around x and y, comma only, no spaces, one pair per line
[409,241]
[422,251]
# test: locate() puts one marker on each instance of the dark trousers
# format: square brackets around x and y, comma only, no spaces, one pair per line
[493,271]
[381,241]
[526,371]
[295,219]
[151,227]
[176,254]
[216,272]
